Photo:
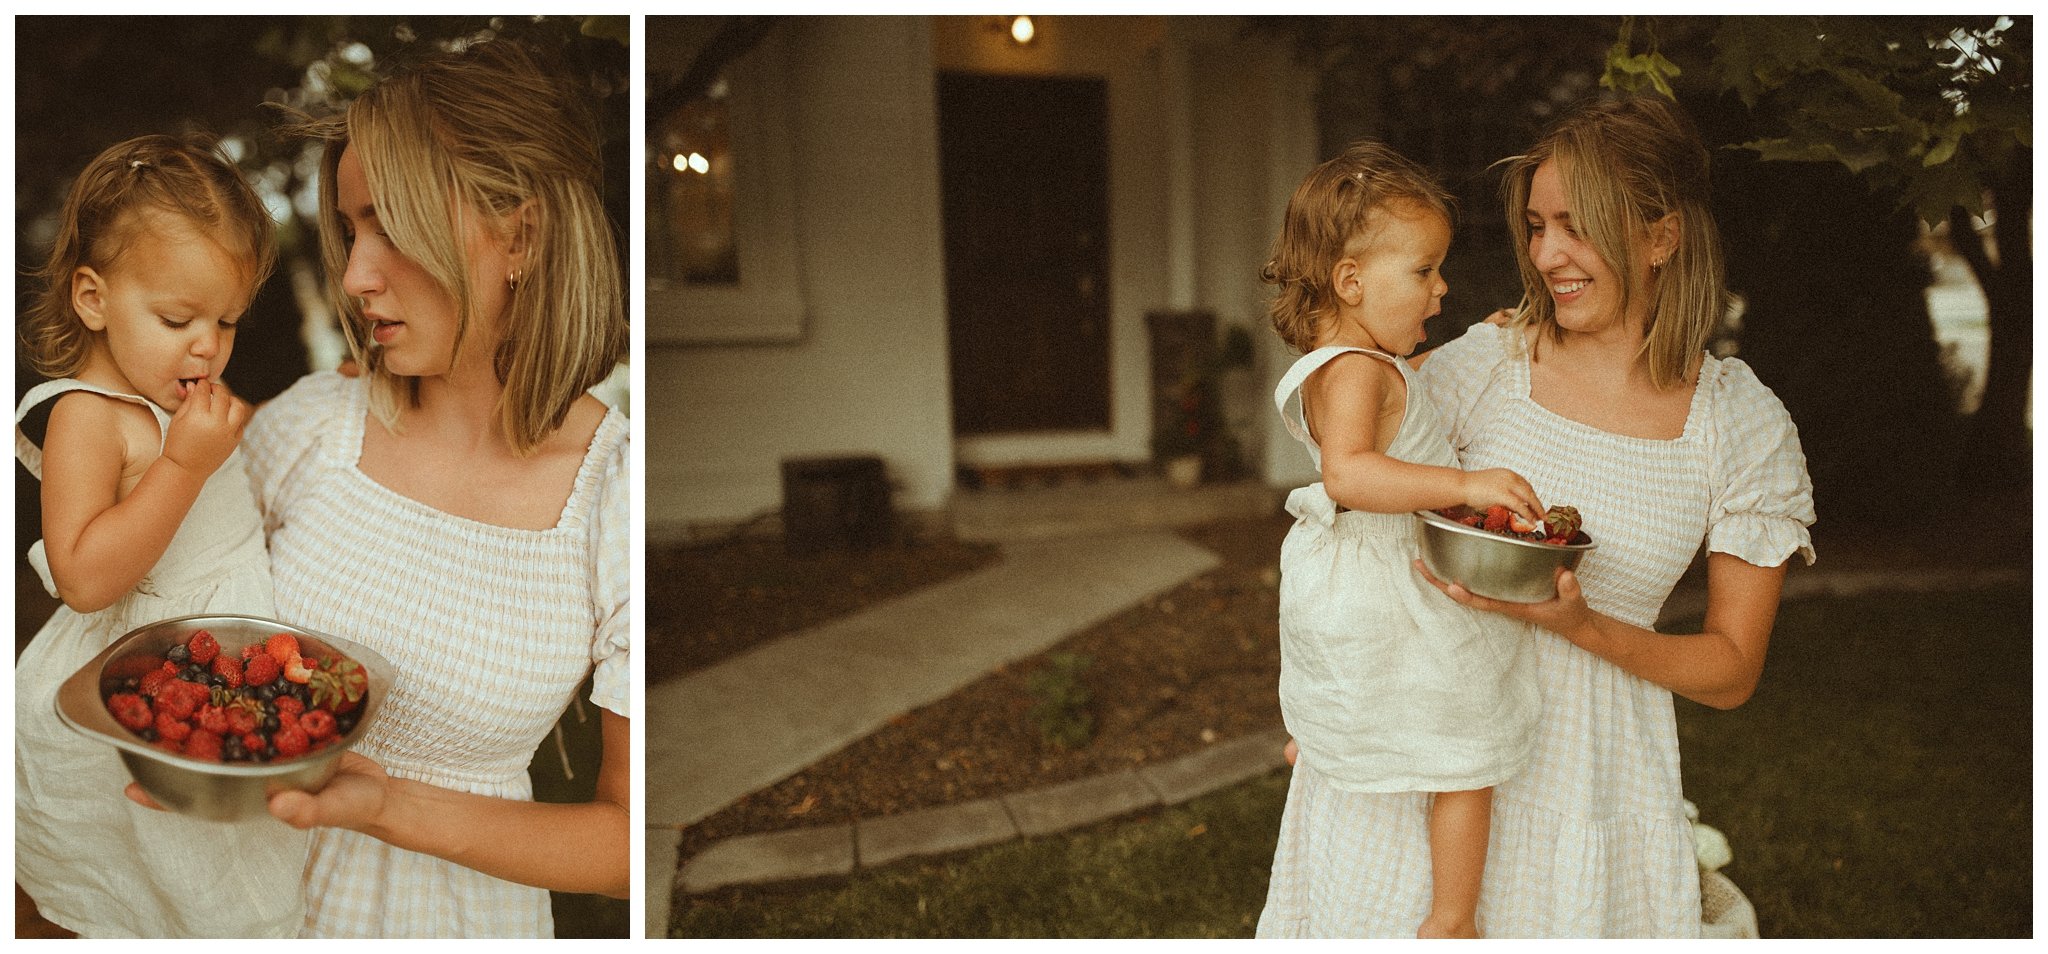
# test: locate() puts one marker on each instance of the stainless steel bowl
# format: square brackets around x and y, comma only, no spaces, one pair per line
[1491,565]
[216,790]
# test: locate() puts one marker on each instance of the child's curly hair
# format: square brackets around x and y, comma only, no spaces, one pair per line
[1334,204]
[187,176]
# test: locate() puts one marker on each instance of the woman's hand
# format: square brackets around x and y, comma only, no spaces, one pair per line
[1500,317]
[1565,614]
[353,799]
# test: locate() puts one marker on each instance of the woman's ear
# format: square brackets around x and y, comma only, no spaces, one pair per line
[525,224]
[1664,238]
[88,297]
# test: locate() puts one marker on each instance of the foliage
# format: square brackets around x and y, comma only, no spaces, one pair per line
[1921,106]
[1061,706]
[1628,71]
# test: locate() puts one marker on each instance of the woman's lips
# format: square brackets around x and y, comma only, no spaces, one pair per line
[1569,291]
[384,331]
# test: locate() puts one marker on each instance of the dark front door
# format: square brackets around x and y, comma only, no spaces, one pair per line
[1024,173]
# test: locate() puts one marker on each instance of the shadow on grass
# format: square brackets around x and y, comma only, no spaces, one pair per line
[1878,785]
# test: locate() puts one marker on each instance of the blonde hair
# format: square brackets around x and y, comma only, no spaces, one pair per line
[1334,204]
[185,176]
[486,131]
[1625,164]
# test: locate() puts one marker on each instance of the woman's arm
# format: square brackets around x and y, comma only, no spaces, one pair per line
[99,543]
[1349,404]
[1718,666]
[580,848]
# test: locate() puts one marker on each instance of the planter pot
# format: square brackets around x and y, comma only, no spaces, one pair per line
[1724,911]
[1184,471]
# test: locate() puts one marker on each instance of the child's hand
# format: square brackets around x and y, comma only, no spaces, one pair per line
[206,428]
[1485,488]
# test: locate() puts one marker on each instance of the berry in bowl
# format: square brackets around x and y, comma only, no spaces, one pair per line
[213,714]
[1495,555]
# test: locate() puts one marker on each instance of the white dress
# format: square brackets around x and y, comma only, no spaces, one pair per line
[94,862]
[1591,839]
[492,629]
[1386,684]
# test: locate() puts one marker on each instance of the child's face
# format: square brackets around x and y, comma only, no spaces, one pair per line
[412,317]
[166,310]
[1401,276]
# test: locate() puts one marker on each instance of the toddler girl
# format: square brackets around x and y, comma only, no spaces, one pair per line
[1386,684]
[147,515]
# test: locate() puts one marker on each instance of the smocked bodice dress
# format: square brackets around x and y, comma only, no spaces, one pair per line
[492,630]
[95,862]
[1591,839]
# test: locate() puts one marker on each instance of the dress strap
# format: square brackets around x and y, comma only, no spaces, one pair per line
[1287,395]
[30,455]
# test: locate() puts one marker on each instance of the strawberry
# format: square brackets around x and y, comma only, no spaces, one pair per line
[262,671]
[154,680]
[290,740]
[230,669]
[202,745]
[1496,518]
[131,711]
[171,729]
[319,724]
[282,647]
[296,670]
[203,647]
[339,684]
[252,650]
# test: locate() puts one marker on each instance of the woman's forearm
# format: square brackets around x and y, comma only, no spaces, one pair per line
[1707,668]
[579,848]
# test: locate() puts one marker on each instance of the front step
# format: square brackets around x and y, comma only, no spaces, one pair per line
[1070,508]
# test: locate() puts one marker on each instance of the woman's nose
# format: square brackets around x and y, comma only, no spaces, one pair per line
[1544,253]
[361,277]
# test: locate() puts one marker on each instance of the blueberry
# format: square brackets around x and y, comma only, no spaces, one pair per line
[267,692]
[269,723]
[178,654]
[217,681]
[148,734]
[192,673]
[232,750]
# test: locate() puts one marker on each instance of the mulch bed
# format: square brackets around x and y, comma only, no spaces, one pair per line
[1189,667]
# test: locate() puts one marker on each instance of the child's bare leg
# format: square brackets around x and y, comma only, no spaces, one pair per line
[1458,827]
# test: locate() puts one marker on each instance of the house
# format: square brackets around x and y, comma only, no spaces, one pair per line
[922,239]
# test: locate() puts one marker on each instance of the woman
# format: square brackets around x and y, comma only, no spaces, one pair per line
[462,507]
[1599,390]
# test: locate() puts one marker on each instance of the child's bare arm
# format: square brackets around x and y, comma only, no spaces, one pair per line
[1350,399]
[99,543]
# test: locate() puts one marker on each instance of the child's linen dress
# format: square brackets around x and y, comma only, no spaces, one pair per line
[492,630]
[1591,838]
[95,862]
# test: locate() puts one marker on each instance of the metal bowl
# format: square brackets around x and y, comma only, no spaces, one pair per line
[1491,565]
[217,790]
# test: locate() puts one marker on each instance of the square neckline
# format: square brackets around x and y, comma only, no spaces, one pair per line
[358,417]
[1694,411]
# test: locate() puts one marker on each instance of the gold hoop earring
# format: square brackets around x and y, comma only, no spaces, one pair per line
[512,281]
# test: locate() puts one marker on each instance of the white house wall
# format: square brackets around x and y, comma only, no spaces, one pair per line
[869,373]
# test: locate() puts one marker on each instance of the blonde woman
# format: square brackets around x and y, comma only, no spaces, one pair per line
[461,507]
[1599,389]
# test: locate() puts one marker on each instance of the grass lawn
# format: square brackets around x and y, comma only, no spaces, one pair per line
[1878,785]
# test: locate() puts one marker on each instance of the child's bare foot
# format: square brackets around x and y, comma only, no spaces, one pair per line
[1447,927]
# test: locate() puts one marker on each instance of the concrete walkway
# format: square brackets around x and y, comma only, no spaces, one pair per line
[716,735]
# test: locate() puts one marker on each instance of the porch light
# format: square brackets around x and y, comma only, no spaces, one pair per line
[1022,31]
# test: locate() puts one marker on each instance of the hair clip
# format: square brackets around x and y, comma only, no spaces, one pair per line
[137,163]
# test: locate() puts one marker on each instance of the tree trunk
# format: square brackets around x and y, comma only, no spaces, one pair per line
[2000,449]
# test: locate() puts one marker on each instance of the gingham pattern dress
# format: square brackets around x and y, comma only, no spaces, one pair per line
[1591,839]
[1387,684]
[95,862]
[492,629]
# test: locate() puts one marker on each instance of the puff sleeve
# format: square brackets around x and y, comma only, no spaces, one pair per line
[611,583]
[283,443]
[1456,375]
[1762,498]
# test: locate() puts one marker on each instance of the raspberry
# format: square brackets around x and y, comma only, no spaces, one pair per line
[252,743]
[131,711]
[262,671]
[202,745]
[230,669]
[288,708]
[319,724]
[180,699]
[203,647]
[171,729]
[212,718]
[290,740]
[241,721]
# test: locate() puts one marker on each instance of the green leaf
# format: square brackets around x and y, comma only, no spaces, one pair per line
[1943,150]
